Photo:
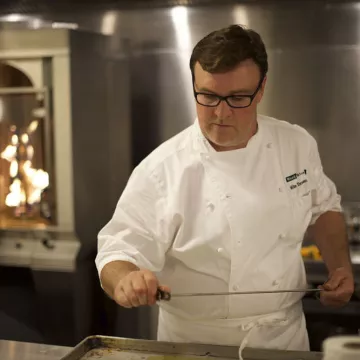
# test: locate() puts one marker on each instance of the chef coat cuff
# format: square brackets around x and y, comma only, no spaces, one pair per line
[332,204]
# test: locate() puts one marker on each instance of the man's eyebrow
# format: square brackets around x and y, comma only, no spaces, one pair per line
[242,91]
[206,90]
[237,91]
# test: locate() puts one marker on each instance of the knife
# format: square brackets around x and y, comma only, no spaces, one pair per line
[164,295]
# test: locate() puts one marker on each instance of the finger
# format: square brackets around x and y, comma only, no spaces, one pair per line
[327,297]
[338,297]
[152,286]
[334,282]
[139,290]
[121,298]
[130,294]
[165,288]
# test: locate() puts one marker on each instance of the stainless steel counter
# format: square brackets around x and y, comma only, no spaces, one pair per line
[13,350]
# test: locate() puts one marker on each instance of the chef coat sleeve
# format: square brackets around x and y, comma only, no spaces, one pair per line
[324,194]
[137,231]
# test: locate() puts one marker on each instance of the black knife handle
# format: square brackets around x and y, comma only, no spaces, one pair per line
[162,295]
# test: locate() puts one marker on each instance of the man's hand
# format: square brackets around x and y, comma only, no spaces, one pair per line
[137,288]
[338,288]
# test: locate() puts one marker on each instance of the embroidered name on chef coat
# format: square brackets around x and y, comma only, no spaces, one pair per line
[295,176]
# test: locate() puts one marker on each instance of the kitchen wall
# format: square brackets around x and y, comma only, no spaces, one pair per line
[313,79]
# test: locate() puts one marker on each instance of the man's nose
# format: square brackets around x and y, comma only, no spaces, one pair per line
[223,110]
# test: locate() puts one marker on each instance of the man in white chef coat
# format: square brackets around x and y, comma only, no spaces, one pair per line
[222,207]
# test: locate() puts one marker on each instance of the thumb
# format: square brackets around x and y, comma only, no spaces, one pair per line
[333,283]
[165,288]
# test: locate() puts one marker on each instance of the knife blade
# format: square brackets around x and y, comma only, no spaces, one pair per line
[163,295]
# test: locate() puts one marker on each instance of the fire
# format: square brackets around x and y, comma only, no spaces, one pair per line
[16,195]
[27,183]
[9,153]
[14,168]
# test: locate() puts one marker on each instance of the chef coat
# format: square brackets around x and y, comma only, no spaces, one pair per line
[208,221]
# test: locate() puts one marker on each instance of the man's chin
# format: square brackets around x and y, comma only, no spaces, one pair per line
[221,143]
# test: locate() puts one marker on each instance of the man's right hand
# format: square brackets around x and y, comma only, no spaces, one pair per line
[137,288]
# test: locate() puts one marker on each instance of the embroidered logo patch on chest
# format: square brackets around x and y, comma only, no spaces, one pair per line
[296,176]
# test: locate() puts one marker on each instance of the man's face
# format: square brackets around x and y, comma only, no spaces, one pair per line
[225,127]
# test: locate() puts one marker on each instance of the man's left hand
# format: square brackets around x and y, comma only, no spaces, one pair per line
[338,288]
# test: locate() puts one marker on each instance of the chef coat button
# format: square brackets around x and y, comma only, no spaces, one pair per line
[269,145]
[210,206]
[275,283]
[235,288]
[228,196]
[280,189]
[220,250]
[281,236]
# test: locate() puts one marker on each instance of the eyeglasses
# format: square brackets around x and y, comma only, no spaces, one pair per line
[234,101]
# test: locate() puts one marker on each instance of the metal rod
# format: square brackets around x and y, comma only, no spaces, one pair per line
[245,292]
[163,295]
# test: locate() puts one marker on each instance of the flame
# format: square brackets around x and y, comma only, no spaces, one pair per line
[30,152]
[28,190]
[34,197]
[25,138]
[40,179]
[9,153]
[14,139]
[14,168]
[33,126]
[27,165]
[15,195]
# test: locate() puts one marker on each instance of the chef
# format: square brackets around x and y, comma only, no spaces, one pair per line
[223,207]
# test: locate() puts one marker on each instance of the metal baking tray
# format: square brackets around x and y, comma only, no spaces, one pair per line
[114,348]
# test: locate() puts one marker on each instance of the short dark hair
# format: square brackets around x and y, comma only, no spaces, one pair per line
[222,50]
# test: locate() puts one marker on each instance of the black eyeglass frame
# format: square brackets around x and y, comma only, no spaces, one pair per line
[225,98]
